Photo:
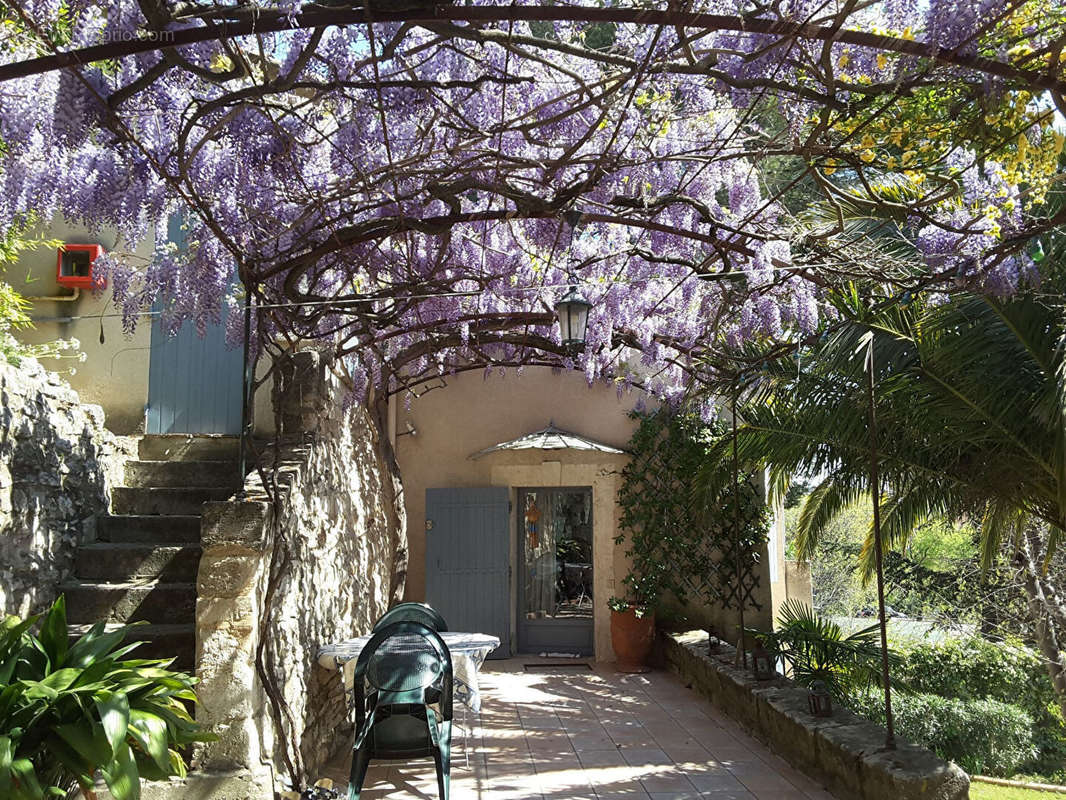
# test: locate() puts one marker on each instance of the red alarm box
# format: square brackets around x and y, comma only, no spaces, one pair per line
[74,266]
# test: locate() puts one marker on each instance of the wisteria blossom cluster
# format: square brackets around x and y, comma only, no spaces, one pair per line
[417,191]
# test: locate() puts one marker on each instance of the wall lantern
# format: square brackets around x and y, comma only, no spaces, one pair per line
[819,700]
[74,266]
[762,663]
[573,313]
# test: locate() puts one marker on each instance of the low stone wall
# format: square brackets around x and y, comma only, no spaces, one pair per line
[57,465]
[844,752]
[278,581]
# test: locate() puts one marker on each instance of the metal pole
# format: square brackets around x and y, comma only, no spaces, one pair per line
[246,389]
[741,659]
[875,491]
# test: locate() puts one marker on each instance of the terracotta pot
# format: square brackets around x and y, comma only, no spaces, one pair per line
[632,639]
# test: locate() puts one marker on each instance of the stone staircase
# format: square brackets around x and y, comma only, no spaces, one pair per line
[143,565]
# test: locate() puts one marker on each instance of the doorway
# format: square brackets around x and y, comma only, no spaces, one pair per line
[194,380]
[555,587]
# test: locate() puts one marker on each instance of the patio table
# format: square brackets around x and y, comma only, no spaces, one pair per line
[468,651]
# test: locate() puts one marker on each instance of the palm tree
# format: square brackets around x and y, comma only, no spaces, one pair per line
[971,407]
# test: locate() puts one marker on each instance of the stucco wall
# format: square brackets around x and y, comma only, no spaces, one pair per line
[57,464]
[468,413]
[317,569]
[115,373]
[471,413]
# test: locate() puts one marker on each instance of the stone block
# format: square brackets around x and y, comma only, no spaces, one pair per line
[213,613]
[235,785]
[242,525]
[237,747]
[228,576]
[910,771]
[57,465]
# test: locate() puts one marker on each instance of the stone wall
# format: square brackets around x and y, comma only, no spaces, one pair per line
[57,464]
[278,581]
[844,752]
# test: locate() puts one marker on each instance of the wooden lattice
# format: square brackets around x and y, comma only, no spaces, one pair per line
[683,541]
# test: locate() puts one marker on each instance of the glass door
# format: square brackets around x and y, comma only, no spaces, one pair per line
[555,600]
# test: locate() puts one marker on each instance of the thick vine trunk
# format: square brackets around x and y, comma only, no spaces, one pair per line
[1044,610]
[379,412]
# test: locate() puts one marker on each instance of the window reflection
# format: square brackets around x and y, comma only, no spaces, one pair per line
[557,552]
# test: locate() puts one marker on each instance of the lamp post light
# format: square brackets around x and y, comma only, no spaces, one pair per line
[573,313]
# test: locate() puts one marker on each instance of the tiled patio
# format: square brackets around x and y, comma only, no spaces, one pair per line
[595,734]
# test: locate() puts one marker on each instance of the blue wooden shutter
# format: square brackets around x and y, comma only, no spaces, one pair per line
[194,382]
[468,560]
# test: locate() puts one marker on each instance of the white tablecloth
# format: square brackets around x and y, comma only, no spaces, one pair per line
[468,651]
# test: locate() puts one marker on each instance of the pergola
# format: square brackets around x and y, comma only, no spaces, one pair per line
[414,184]
[407,190]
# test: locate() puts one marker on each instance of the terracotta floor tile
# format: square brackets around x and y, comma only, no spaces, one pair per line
[645,756]
[716,782]
[664,782]
[611,757]
[595,735]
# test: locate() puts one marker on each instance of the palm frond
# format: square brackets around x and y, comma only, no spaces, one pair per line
[821,507]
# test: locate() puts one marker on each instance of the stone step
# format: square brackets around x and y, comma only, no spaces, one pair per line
[149,529]
[186,447]
[179,474]
[165,500]
[160,603]
[110,562]
[159,641]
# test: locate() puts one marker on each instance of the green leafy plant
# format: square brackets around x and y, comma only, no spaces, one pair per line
[970,407]
[642,595]
[817,649]
[13,306]
[70,711]
[1008,672]
[976,669]
[683,544]
[621,605]
[984,737]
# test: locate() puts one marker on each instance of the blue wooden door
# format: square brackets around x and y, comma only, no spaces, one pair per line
[468,560]
[194,382]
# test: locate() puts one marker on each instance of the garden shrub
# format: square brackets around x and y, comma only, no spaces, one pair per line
[1010,672]
[984,737]
[974,668]
[72,711]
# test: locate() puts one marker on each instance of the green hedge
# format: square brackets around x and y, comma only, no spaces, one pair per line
[976,669]
[984,737]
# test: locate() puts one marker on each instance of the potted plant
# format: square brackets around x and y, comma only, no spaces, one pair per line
[633,624]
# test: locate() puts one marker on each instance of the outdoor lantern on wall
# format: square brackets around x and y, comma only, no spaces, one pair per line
[74,266]
[573,313]
[762,663]
[819,700]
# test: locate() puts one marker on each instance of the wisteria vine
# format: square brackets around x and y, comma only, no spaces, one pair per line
[415,193]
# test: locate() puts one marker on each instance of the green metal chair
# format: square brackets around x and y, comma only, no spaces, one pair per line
[413,612]
[403,671]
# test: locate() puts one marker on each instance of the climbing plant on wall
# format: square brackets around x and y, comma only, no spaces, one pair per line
[683,546]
